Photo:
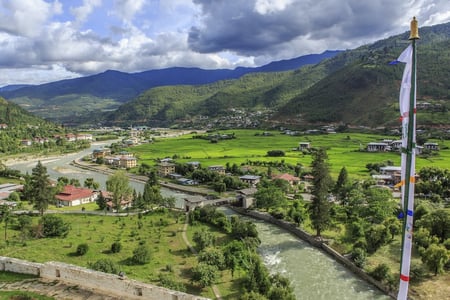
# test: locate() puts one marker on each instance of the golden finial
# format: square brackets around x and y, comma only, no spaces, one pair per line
[414,30]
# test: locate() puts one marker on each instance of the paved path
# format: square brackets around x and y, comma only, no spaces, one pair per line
[183,234]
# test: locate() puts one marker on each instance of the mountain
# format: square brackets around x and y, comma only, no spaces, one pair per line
[13,115]
[355,87]
[68,100]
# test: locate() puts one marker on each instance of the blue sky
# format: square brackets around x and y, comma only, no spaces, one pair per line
[48,40]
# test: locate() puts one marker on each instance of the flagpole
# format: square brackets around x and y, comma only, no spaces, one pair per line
[408,169]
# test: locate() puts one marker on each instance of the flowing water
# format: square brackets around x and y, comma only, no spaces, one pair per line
[314,275]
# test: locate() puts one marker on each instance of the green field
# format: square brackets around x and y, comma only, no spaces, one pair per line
[160,231]
[343,150]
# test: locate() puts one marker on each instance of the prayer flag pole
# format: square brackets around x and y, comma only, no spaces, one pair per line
[408,117]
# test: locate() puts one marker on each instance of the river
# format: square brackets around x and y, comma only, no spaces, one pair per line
[314,275]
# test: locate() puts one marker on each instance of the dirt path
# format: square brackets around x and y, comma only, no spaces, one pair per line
[56,289]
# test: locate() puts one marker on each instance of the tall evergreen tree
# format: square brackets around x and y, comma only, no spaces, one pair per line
[322,183]
[341,187]
[38,188]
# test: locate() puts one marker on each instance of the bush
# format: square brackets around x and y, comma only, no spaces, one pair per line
[105,265]
[116,247]
[54,226]
[141,255]
[358,256]
[82,249]
[275,153]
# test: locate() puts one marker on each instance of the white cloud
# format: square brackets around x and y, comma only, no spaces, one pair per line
[270,6]
[26,18]
[127,9]
[81,13]
[90,36]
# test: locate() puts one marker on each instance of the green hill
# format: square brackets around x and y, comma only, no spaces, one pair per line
[356,87]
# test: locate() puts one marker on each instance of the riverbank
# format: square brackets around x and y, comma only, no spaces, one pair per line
[320,244]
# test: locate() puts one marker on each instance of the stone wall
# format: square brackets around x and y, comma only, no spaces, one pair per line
[102,282]
[292,228]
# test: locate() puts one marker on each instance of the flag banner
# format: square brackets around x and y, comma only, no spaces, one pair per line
[407,102]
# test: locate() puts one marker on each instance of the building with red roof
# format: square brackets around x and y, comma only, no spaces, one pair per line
[73,196]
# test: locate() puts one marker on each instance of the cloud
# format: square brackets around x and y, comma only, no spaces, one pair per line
[26,18]
[85,37]
[81,13]
[263,27]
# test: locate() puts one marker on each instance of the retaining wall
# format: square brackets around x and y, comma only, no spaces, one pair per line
[105,283]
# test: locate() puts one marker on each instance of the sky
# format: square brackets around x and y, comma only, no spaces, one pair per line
[48,40]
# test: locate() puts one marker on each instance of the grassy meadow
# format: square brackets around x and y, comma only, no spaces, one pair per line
[160,231]
[250,145]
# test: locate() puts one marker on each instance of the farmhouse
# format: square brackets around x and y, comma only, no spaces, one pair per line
[219,169]
[101,153]
[431,146]
[304,146]
[73,196]
[245,197]
[252,180]
[377,147]
[288,177]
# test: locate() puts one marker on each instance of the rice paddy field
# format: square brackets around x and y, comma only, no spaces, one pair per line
[344,149]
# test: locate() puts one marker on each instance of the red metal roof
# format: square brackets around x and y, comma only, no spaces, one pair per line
[72,193]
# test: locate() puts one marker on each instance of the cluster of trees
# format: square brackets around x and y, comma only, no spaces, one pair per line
[239,254]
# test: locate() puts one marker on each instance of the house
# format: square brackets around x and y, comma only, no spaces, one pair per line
[165,169]
[304,146]
[110,206]
[101,153]
[219,169]
[431,146]
[73,196]
[127,162]
[186,181]
[377,147]
[84,137]
[3,126]
[288,177]
[396,145]
[252,180]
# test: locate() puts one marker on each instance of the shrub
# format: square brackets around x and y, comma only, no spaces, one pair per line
[141,255]
[358,256]
[82,249]
[54,226]
[116,247]
[105,265]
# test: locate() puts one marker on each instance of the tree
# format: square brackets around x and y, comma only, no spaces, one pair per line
[54,226]
[5,215]
[204,274]
[437,223]
[37,188]
[267,197]
[152,194]
[320,206]
[212,256]
[91,184]
[203,239]
[118,185]
[141,255]
[341,188]
[435,257]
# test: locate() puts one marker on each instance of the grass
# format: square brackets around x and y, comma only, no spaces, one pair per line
[159,230]
[8,277]
[15,295]
[342,148]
